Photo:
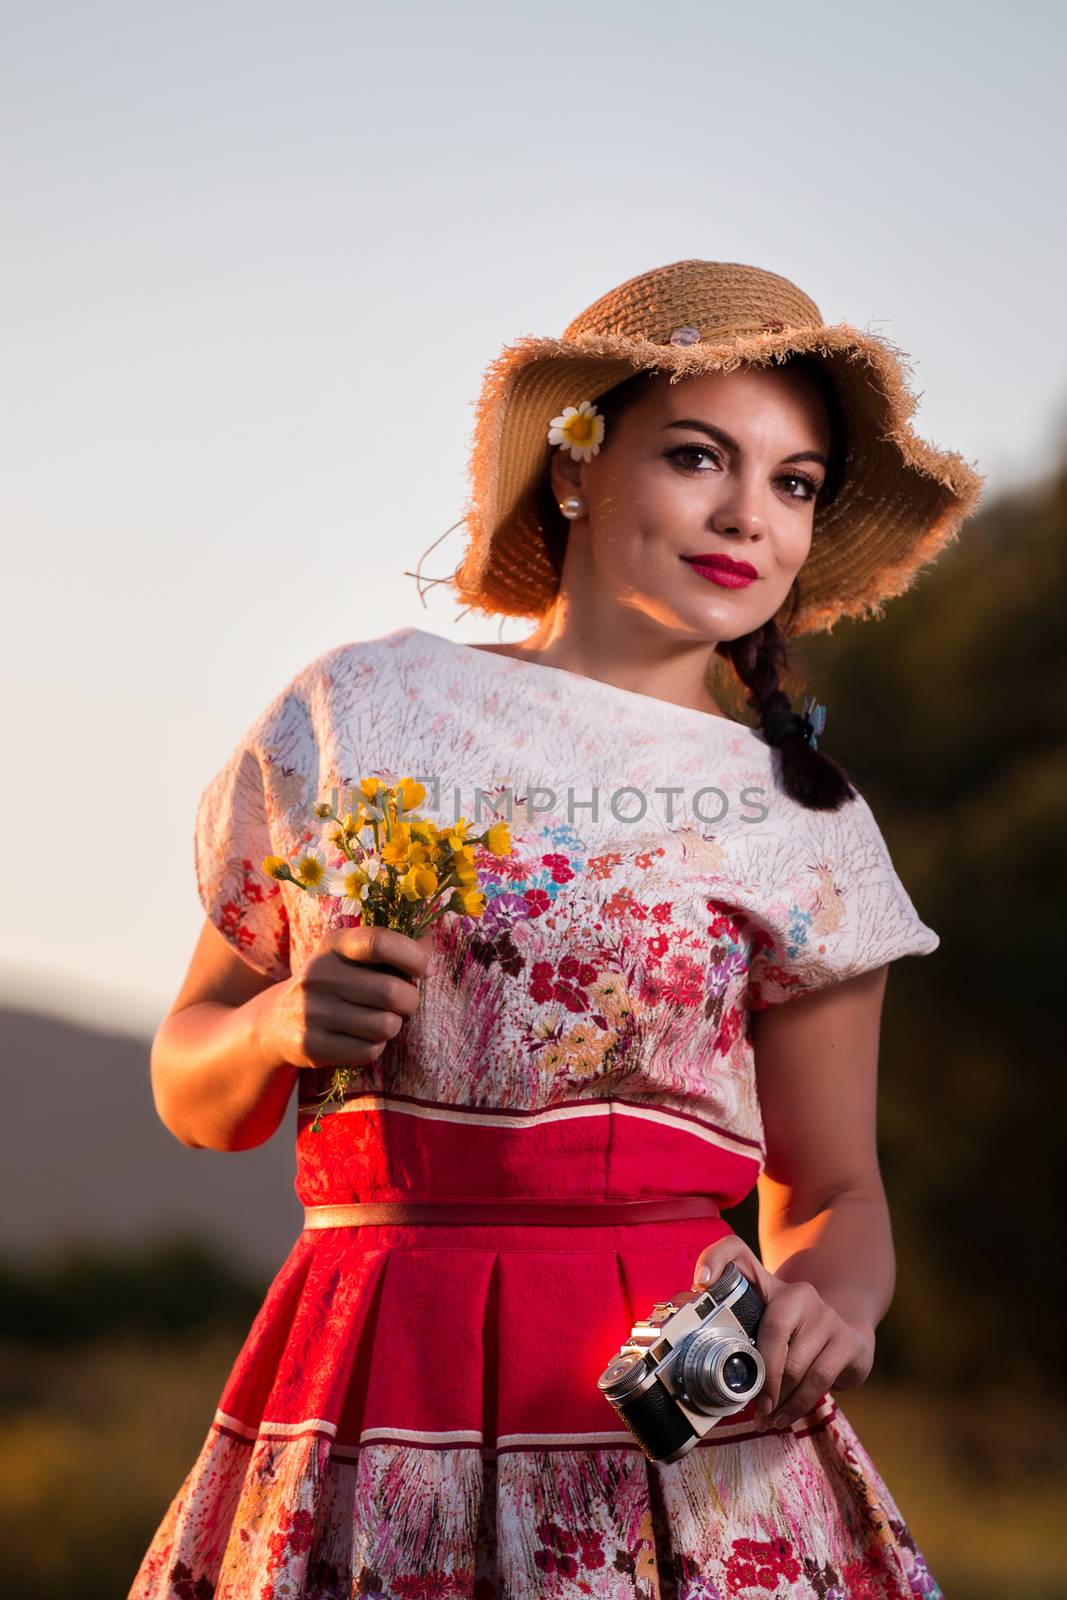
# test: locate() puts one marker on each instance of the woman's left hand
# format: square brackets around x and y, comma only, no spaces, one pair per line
[807,1347]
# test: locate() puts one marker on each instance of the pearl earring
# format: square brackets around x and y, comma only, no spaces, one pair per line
[573,506]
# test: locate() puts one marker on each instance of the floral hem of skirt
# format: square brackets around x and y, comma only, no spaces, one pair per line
[780,1515]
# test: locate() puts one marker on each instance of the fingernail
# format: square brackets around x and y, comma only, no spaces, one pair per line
[704,1277]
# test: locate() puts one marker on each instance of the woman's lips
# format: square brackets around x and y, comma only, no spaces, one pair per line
[721,570]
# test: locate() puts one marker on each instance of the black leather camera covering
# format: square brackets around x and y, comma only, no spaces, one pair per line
[748,1309]
[654,1419]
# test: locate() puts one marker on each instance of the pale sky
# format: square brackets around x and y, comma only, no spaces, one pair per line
[256,260]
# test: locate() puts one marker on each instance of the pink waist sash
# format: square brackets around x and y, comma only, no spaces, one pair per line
[543,1213]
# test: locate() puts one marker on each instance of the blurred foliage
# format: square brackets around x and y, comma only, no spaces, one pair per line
[92,1450]
[85,1291]
[111,1364]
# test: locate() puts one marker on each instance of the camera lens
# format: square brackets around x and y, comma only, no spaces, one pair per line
[738,1373]
[717,1368]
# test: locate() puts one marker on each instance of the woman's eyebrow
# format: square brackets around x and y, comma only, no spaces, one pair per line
[722,437]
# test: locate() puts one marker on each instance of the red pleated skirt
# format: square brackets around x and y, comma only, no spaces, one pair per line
[415,1410]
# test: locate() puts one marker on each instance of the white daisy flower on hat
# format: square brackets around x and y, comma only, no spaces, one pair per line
[578,429]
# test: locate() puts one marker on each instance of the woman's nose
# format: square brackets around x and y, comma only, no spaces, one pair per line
[741,509]
[738,519]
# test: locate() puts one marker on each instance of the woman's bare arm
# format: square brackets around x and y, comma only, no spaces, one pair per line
[214,1084]
[226,1056]
[823,1214]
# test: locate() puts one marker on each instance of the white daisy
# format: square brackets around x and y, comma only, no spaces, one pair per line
[349,882]
[310,869]
[579,429]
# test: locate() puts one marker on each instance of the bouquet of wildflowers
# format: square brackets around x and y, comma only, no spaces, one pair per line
[406,876]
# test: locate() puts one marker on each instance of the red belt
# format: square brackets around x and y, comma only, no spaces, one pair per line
[543,1213]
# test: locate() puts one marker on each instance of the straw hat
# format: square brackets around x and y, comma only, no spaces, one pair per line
[901,499]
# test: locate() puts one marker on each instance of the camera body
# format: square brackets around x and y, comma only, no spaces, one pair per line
[692,1361]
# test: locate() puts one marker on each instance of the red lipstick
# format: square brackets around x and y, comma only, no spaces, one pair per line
[723,570]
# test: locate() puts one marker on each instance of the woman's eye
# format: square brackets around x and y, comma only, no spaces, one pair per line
[798,477]
[811,488]
[691,450]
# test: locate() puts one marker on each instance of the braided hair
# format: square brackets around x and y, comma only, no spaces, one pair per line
[760,659]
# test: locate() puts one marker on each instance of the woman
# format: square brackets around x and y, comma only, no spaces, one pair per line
[552,1113]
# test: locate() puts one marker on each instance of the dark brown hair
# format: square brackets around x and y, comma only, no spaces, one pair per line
[760,659]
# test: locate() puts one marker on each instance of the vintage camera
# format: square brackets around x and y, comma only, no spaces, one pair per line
[690,1363]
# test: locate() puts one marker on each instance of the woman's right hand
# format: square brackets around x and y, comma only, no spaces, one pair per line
[338,1011]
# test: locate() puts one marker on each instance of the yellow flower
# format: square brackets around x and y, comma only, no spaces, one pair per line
[464,871]
[470,901]
[410,793]
[375,797]
[498,839]
[419,884]
[275,866]
[397,850]
[579,429]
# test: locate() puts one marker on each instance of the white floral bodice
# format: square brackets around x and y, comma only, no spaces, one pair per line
[616,959]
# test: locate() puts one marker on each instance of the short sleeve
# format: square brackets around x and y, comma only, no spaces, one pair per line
[231,836]
[839,910]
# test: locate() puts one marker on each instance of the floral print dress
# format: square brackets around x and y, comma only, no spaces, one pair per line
[414,1411]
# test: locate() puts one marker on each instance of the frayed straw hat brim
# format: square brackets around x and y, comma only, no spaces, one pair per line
[900,502]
